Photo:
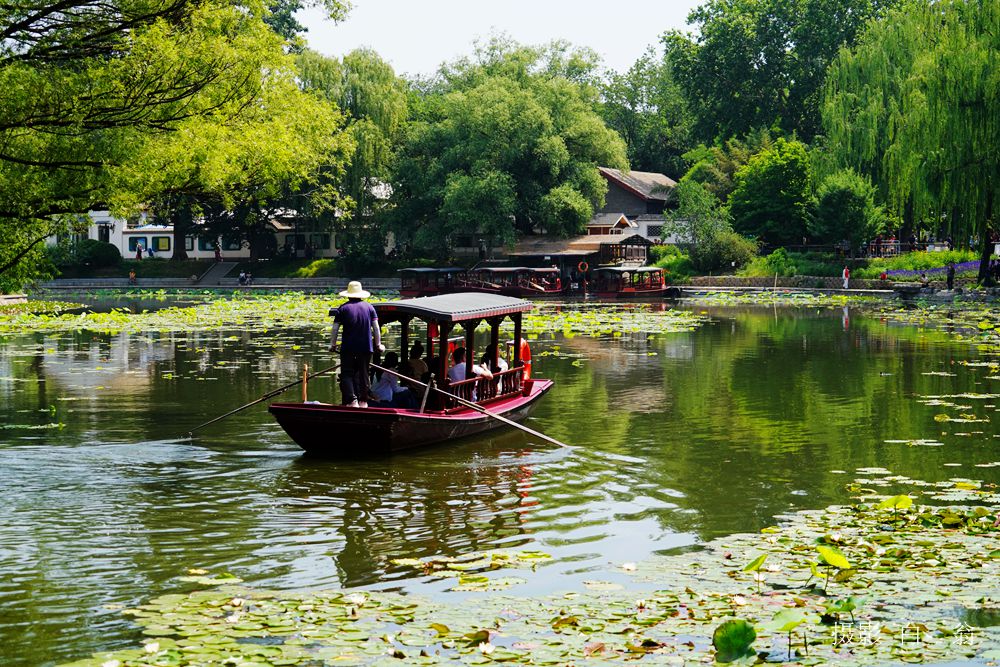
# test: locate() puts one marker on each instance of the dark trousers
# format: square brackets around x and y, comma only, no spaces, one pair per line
[355,380]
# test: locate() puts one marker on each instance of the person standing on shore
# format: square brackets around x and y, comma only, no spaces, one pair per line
[951,275]
[361,336]
[846,275]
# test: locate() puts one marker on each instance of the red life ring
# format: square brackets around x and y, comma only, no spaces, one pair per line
[582,267]
[525,354]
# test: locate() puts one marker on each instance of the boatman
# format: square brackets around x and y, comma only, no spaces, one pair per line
[360,324]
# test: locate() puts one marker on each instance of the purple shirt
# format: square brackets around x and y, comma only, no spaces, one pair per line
[356,318]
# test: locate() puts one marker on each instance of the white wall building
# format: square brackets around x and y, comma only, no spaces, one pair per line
[129,237]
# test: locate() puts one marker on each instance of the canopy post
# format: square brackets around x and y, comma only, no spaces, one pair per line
[444,328]
[430,341]
[470,345]
[517,340]
[404,339]
[495,337]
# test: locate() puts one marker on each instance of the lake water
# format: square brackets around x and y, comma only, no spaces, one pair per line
[679,438]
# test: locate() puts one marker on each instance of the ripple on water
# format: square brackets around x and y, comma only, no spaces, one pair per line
[717,432]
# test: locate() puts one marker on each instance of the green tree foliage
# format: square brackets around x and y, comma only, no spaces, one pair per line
[506,144]
[761,63]
[703,224]
[374,100]
[845,210]
[647,109]
[281,17]
[914,105]
[502,57]
[715,167]
[87,87]
[238,173]
[773,194]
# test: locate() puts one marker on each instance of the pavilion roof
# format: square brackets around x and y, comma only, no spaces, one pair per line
[458,307]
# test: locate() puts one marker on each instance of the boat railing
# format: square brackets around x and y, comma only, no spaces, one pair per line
[504,384]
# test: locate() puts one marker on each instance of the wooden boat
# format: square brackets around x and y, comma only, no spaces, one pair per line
[541,282]
[645,282]
[337,430]
[423,281]
[517,281]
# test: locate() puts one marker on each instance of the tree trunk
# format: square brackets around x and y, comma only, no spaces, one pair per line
[20,255]
[183,218]
[987,241]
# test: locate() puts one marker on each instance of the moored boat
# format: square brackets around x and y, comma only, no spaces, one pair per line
[425,281]
[644,282]
[447,410]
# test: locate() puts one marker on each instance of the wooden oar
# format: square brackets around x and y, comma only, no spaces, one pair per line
[265,397]
[476,407]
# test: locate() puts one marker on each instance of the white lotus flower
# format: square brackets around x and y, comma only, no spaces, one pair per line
[356,598]
[628,567]
[486,648]
[152,647]
[111,663]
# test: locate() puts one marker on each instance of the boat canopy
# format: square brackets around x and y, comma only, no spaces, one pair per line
[458,307]
[623,269]
[501,269]
[427,269]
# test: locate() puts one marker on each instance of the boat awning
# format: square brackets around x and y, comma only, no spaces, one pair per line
[426,270]
[625,269]
[458,307]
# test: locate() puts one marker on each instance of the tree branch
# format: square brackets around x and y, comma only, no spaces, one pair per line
[19,256]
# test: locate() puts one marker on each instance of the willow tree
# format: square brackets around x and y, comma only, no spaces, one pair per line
[915,106]
[374,101]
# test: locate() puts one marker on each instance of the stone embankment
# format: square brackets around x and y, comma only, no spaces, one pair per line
[935,290]
[320,285]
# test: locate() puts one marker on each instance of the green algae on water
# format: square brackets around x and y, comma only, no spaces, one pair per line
[918,585]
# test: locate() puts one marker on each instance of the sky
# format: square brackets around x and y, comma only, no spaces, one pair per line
[416,36]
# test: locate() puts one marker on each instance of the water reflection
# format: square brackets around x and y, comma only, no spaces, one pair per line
[679,438]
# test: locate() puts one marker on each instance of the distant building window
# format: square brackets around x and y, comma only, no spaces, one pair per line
[189,243]
[207,245]
[298,241]
[654,231]
[464,241]
[161,243]
[136,241]
[232,245]
[320,241]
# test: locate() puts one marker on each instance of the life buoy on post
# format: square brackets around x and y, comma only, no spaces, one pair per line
[582,267]
[526,358]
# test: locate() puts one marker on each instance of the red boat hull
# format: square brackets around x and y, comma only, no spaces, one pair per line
[659,293]
[340,431]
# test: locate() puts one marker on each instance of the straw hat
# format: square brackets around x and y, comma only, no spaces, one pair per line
[354,291]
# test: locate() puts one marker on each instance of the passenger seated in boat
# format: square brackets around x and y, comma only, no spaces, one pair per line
[492,360]
[457,374]
[386,391]
[416,366]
